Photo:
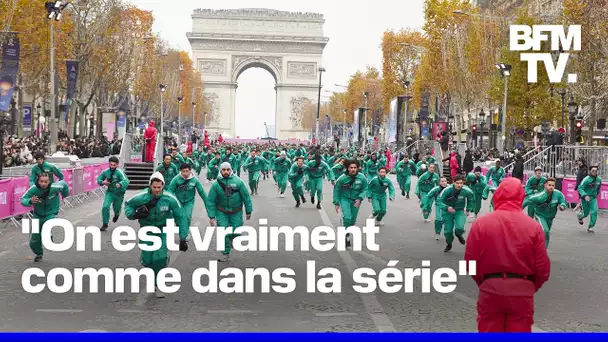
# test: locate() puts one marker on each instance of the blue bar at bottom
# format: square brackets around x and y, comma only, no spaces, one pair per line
[297,337]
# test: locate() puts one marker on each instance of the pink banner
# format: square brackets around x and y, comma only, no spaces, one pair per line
[68,177]
[98,170]
[90,183]
[20,187]
[602,198]
[484,170]
[569,190]
[6,198]
[392,162]
[136,159]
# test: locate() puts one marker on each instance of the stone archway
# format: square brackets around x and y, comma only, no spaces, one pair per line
[289,45]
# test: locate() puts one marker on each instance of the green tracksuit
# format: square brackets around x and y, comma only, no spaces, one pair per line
[296,178]
[167,207]
[314,174]
[347,190]
[213,168]
[533,186]
[486,193]
[477,185]
[168,172]
[426,182]
[232,159]
[281,166]
[185,190]
[459,200]
[376,192]
[177,160]
[419,170]
[404,175]
[496,175]
[428,200]
[45,168]
[546,209]
[590,186]
[338,170]
[114,196]
[371,168]
[254,166]
[45,210]
[226,199]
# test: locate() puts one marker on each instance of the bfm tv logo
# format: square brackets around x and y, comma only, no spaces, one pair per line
[533,36]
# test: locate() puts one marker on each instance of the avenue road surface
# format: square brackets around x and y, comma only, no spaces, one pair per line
[574,299]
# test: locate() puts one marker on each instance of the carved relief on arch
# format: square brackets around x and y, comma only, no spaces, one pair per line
[213,111]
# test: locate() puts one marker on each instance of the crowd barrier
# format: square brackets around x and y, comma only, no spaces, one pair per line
[82,182]
[569,189]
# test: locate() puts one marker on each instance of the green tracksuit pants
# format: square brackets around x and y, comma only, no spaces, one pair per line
[297,190]
[379,207]
[316,188]
[453,224]
[349,212]
[156,260]
[589,209]
[438,220]
[281,179]
[546,224]
[188,208]
[113,200]
[477,208]
[426,212]
[229,220]
[254,180]
[531,208]
[36,238]
[405,183]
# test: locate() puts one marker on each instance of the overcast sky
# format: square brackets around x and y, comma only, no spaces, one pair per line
[354,29]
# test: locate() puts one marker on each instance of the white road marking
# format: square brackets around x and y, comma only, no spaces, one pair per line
[462,297]
[58,310]
[373,307]
[335,314]
[137,311]
[231,312]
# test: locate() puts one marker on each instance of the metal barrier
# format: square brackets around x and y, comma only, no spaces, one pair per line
[563,160]
[81,180]
[526,157]
[158,150]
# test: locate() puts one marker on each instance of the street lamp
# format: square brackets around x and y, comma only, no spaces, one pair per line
[162,88]
[562,93]
[180,99]
[193,107]
[54,9]
[321,71]
[505,72]
[344,124]
[482,123]
[572,111]
[365,95]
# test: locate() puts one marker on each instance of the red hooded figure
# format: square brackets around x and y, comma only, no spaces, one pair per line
[454,165]
[150,137]
[220,139]
[512,262]
[206,139]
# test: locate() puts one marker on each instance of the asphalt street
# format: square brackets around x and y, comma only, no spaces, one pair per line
[574,299]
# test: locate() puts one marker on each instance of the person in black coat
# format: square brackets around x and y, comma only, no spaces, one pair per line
[518,168]
[468,164]
[583,170]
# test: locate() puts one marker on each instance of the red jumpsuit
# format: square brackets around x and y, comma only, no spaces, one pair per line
[453,165]
[206,140]
[507,245]
[150,138]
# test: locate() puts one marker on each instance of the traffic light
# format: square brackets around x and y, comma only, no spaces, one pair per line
[579,131]
[474,131]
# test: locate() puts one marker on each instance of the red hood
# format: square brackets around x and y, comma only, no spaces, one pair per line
[509,195]
[151,124]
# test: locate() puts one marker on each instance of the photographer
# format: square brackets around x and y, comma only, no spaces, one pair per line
[153,207]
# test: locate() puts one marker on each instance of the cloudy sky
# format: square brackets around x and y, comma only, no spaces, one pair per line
[354,29]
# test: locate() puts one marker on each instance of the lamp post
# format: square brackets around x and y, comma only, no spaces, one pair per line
[344,124]
[193,107]
[505,72]
[482,123]
[562,93]
[162,88]
[180,99]
[572,111]
[321,71]
[365,95]
[54,9]
[205,124]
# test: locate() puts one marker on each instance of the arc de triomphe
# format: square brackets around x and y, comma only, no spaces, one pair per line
[289,45]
